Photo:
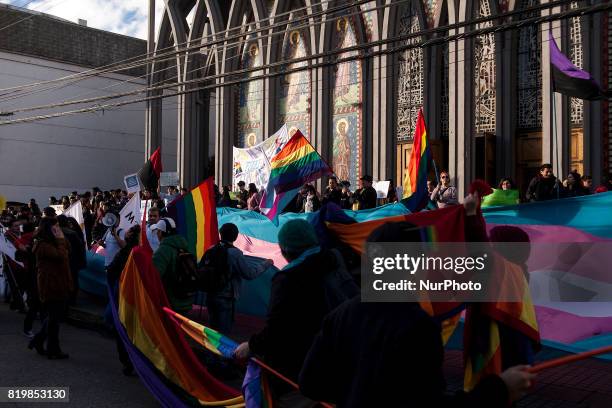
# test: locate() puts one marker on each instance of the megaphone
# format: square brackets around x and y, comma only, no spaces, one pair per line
[110,220]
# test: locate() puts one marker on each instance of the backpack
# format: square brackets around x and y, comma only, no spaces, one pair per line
[186,279]
[214,271]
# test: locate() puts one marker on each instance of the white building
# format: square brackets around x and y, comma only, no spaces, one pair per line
[76,152]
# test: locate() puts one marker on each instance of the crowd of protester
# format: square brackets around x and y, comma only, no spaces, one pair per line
[319,345]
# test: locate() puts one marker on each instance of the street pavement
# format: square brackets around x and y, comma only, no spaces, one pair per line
[93,371]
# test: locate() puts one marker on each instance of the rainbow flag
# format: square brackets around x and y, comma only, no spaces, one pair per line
[294,165]
[145,326]
[255,387]
[196,218]
[415,181]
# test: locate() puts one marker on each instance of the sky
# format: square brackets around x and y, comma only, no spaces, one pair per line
[128,17]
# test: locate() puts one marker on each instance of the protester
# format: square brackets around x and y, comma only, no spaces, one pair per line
[393,336]
[444,194]
[391,193]
[310,199]
[226,199]
[113,241]
[77,257]
[431,204]
[254,198]
[506,183]
[49,212]
[114,270]
[544,186]
[243,195]
[333,192]
[365,197]
[30,287]
[302,293]
[34,208]
[54,279]
[170,195]
[165,259]
[234,268]
[587,184]
[346,196]
[152,219]
[572,185]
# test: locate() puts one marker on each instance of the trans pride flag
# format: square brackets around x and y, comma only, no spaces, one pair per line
[415,182]
[196,218]
[293,165]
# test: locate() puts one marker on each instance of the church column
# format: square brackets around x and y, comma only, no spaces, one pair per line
[506,107]
[552,125]
[593,127]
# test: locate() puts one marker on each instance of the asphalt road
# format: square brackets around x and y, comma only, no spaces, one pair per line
[92,372]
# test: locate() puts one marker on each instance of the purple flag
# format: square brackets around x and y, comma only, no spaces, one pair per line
[570,80]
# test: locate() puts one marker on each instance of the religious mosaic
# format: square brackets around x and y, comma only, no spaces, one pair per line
[250,98]
[294,101]
[347,95]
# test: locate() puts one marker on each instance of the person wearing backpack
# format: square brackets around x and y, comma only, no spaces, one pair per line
[173,259]
[224,268]
[313,283]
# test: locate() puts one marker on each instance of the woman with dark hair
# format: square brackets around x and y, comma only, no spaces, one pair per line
[54,279]
[506,183]
[226,199]
[254,198]
[572,185]
[78,250]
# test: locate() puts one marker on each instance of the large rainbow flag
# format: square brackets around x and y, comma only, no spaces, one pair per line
[161,355]
[415,182]
[196,218]
[293,165]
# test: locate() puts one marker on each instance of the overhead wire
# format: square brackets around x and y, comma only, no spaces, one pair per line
[485,30]
[303,59]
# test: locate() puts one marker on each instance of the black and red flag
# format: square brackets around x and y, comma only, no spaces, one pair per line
[149,173]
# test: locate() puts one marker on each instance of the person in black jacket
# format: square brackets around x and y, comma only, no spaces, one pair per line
[366,195]
[391,355]
[544,186]
[298,304]
[332,192]
[78,250]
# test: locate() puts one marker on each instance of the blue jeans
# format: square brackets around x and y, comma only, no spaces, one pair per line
[220,313]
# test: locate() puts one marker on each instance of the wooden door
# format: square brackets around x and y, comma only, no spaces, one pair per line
[528,159]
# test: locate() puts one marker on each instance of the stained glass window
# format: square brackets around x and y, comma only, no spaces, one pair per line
[410,78]
[484,75]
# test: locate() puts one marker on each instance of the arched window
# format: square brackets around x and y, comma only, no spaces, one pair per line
[484,74]
[410,76]
[347,146]
[250,94]
[529,75]
[294,101]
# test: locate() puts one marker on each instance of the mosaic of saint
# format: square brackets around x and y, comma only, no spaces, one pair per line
[250,100]
[294,102]
[347,141]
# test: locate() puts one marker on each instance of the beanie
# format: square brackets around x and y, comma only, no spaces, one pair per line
[297,236]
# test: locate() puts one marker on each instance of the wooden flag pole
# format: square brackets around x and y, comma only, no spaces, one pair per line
[569,359]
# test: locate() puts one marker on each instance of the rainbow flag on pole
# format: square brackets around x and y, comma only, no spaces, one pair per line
[196,218]
[295,164]
[415,182]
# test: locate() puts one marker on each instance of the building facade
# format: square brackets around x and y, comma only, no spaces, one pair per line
[349,76]
[56,156]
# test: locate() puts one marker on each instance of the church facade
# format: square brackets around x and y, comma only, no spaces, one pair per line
[352,77]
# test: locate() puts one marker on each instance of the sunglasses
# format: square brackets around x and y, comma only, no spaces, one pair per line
[444,177]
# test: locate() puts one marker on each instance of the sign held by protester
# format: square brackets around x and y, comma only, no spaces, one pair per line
[132,184]
[382,188]
[168,178]
[130,213]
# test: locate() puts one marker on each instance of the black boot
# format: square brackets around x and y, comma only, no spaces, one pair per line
[36,344]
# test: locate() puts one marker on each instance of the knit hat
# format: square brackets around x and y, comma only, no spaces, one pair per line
[297,236]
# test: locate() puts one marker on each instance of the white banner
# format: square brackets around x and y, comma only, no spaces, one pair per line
[130,213]
[168,178]
[7,248]
[76,211]
[252,165]
[382,188]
